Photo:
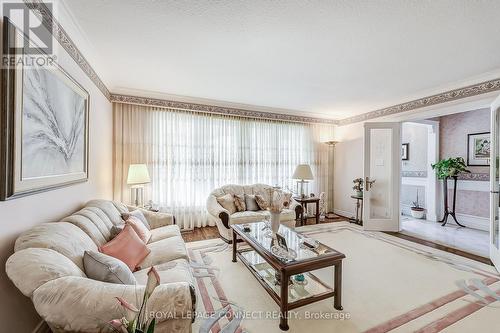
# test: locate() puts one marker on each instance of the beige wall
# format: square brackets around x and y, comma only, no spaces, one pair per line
[16,311]
[416,135]
[348,165]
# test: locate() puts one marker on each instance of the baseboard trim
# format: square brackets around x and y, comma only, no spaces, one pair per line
[344,213]
[42,327]
[474,222]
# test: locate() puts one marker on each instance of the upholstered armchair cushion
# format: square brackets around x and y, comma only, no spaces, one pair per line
[78,304]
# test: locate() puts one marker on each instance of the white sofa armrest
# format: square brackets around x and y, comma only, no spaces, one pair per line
[214,208]
[78,304]
[155,219]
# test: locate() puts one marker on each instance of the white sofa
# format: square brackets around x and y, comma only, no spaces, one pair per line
[47,266]
[224,220]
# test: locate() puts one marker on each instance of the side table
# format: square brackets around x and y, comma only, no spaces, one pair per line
[359,207]
[304,202]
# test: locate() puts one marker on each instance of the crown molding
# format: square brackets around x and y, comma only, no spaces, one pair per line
[164,103]
[448,96]
[48,20]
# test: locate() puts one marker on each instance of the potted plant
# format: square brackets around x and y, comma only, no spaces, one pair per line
[415,210]
[446,169]
[358,186]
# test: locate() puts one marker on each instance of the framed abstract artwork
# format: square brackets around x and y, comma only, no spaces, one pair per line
[478,149]
[44,139]
[405,151]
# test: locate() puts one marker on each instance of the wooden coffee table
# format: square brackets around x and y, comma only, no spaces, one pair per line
[266,268]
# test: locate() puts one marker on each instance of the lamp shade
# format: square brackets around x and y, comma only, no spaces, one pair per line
[138,174]
[303,172]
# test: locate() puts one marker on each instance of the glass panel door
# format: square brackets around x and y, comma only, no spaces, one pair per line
[382,176]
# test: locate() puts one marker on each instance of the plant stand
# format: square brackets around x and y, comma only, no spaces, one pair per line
[447,211]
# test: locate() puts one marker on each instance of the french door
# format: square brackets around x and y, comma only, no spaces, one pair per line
[382,176]
[494,185]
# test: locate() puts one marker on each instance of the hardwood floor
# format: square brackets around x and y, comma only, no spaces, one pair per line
[211,232]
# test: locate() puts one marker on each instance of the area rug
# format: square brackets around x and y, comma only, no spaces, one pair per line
[389,285]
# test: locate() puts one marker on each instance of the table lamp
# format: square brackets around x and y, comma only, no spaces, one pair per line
[138,175]
[303,173]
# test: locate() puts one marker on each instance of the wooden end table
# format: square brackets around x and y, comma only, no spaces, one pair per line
[304,202]
[267,268]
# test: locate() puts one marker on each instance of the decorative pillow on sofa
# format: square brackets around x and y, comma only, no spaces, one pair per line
[101,267]
[251,203]
[127,247]
[137,213]
[116,229]
[263,204]
[227,201]
[239,202]
[139,228]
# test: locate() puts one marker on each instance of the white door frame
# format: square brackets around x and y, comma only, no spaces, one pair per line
[393,222]
[494,182]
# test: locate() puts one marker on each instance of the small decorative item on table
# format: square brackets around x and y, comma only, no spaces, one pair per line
[277,200]
[358,186]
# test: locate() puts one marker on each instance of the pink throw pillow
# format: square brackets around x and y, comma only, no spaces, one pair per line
[127,247]
[139,228]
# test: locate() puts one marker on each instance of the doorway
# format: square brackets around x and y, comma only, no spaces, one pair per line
[424,143]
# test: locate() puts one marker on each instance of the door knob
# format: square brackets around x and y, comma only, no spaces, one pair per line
[369,183]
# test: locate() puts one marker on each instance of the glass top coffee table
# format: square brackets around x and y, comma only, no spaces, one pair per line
[271,266]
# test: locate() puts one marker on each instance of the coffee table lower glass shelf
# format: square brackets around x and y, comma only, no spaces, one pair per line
[312,286]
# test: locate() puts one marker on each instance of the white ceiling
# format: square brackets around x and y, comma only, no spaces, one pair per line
[329,58]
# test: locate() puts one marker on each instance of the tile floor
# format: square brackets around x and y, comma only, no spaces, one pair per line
[465,239]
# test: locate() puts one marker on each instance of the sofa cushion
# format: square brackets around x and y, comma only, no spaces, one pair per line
[247,217]
[165,250]
[127,247]
[239,202]
[139,228]
[116,229]
[164,232]
[33,267]
[137,213]
[63,237]
[177,270]
[101,267]
[89,227]
[227,201]
[262,202]
[251,203]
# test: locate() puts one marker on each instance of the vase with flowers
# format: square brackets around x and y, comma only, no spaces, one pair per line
[277,201]
[358,186]
[136,320]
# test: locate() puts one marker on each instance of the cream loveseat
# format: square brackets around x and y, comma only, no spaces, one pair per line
[47,266]
[224,219]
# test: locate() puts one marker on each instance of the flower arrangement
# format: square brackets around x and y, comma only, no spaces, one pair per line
[358,186]
[277,200]
[135,320]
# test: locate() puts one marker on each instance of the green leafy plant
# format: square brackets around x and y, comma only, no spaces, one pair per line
[450,167]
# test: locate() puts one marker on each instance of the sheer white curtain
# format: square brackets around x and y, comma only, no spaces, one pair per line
[191,153]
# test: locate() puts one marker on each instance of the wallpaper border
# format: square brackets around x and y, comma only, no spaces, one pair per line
[129,99]
[448,96]
[63,38]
